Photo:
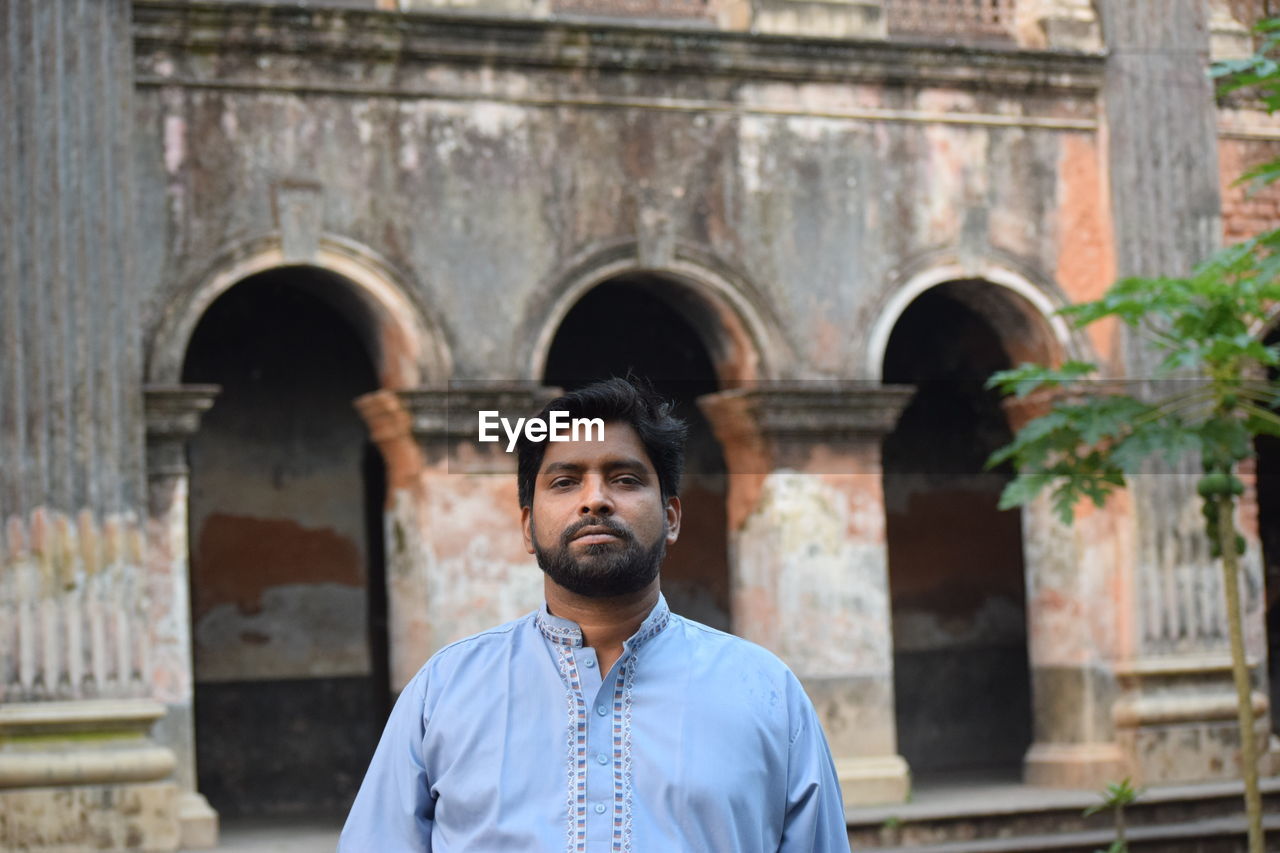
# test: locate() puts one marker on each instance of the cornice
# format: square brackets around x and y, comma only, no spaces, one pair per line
[325,35]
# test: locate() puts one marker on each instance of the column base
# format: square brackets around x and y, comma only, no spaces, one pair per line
[1073,765]
[62,819]
[876,781]
[1178,721]
[197,822]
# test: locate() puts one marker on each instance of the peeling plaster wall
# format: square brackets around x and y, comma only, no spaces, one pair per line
[486,181]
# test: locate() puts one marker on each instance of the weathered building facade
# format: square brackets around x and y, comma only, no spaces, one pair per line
[330,236]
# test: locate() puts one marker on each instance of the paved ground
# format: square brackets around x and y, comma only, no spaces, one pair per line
[279,836]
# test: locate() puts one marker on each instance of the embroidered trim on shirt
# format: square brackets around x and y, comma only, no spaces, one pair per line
[576,824]
[565,635]
[629,679]
[652,626]
[622,756]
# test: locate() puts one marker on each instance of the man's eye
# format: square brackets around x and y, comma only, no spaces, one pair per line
[628,480]
[561,482]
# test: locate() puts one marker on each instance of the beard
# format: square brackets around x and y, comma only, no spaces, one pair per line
[605,569]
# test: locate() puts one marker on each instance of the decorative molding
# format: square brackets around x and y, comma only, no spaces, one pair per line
[173,415]
[450,413]
[80,743]
[810,412]
[331,43]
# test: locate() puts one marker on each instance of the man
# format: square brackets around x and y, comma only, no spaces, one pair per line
[601,721]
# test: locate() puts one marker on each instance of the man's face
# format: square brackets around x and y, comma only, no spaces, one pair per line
[598,525]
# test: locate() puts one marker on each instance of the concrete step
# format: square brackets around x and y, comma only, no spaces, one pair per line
[1202,818]
[1216,835]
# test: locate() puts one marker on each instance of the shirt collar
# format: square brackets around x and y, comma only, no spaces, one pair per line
[567,633]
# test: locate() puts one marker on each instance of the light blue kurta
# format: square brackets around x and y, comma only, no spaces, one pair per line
[511,740]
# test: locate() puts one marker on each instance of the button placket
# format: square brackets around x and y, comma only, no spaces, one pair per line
[601,787]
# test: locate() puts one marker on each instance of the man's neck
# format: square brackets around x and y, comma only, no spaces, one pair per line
[606,623]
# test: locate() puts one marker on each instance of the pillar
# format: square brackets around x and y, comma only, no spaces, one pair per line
[456,563]
[808,561]
[1079,597]
[77,766]
[1172,715]
[172,417]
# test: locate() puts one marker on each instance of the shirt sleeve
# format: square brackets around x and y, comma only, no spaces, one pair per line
[394,810]
[814,821]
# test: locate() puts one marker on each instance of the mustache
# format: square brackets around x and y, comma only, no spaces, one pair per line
[593,521]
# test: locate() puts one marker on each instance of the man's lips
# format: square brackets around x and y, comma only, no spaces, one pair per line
[595,535]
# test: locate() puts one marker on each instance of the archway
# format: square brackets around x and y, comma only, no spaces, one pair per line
[287,587]
[631,323]
[1268,491]
[956,571]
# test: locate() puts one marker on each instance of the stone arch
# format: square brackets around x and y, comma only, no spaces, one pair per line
[737,326]
[958,565]
[1032,330]
[407,344]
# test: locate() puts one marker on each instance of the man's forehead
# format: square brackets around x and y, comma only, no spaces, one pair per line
[620,446]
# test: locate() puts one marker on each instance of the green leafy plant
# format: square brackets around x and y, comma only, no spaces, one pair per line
[1211,397]
[1115,798]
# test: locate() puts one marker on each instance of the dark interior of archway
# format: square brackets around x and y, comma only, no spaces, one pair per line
[288,602]
[1268,448]
[956,571]
[629,325]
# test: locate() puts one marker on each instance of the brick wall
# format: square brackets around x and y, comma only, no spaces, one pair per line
[1247,210]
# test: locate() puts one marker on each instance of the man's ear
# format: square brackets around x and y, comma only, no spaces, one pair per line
[526,527]
[673,520]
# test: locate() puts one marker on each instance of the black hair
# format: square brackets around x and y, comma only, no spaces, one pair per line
[631,401]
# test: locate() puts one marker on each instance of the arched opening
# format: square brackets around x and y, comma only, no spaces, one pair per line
[1268,485]
[288,605]
[956,571]
[638,323]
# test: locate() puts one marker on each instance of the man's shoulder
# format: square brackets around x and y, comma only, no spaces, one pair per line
[489,641]
[720,643]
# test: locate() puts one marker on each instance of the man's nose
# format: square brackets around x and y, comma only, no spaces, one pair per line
[595,498]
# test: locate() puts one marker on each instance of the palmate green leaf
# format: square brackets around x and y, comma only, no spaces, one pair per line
[1167,438]
[1106,417]
[1262,422]
[1028,378]
[1260,176]
[1132,300]
[1024,488]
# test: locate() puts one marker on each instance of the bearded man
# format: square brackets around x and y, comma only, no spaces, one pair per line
[601,721]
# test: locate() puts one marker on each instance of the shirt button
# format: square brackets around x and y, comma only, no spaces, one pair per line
[601,710]
[590,663]
[599,808]
[602,758]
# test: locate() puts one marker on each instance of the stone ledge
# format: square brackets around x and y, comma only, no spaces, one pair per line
[322,36]
[80,743]
[133,715]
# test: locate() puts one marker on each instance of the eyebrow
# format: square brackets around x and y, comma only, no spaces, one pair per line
[627,462]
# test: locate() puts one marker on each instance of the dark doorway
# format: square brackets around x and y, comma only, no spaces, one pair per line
[638,324]
[956,571]
[288,606]
[1268,479]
